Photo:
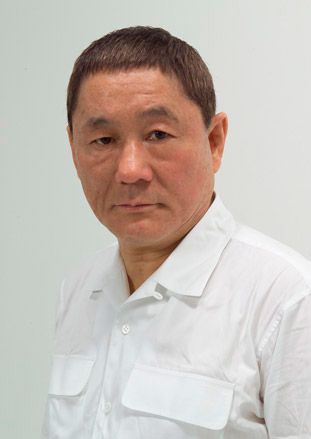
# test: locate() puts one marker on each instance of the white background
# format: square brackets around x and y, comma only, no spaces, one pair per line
[259,55]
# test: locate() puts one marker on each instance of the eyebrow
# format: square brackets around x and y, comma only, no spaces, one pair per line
[97,122]
[157,111]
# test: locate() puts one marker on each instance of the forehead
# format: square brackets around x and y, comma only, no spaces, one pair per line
[147,77]
[129,87]
[135,95]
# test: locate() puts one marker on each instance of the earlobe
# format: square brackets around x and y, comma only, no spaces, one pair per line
[217,137]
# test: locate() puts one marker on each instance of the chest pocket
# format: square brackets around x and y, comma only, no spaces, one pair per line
[66,397]
[197,406]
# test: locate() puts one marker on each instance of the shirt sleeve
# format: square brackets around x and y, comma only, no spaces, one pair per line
[286,373]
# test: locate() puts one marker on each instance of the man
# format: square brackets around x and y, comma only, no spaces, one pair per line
[191,325]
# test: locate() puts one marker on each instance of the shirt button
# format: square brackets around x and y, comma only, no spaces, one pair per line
[157,295]
[107,407]
[125,329]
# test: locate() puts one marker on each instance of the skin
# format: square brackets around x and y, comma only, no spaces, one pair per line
[146,162]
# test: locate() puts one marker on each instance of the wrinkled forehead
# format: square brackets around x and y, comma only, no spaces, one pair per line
[120,77]
[131,88]
[130,100]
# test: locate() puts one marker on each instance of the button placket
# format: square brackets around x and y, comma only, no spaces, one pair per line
[105,406]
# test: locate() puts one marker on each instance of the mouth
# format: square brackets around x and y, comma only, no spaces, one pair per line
[135,206]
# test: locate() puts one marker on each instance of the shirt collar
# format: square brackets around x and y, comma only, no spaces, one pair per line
[187,269]
[108,275]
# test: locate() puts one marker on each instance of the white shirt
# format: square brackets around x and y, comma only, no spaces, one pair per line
[215,344]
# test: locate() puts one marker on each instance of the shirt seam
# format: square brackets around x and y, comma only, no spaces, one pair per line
[279,254]
[276,322]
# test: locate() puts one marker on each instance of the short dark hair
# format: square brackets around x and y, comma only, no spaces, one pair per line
[145,47]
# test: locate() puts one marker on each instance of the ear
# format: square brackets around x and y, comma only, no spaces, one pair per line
[217,133]
[73,149]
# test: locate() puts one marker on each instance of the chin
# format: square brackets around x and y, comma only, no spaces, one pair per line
[143,237]
[135,230]
[140,237]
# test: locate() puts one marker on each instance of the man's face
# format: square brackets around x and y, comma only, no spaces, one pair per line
[145,159]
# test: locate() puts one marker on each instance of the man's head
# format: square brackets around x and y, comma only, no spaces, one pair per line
[143,48]
[145,150]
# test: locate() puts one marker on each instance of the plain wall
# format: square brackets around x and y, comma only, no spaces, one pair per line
[259,55]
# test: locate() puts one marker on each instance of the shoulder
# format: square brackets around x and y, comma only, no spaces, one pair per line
[269,253]
[274,274]
[269,280]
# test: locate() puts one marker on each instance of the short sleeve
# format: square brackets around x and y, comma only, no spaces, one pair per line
[286,373]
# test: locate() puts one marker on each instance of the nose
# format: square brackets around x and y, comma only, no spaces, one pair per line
[133,164]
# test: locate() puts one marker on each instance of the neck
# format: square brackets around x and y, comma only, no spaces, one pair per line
[141,261]
[140,264]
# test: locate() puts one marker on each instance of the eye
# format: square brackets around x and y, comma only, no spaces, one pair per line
[103,140]
[158,135]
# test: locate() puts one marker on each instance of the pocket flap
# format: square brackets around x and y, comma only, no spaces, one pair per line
[183,396]
[69,375]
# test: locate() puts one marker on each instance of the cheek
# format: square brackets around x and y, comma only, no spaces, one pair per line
[189,174]
[96,178]
[93,169]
